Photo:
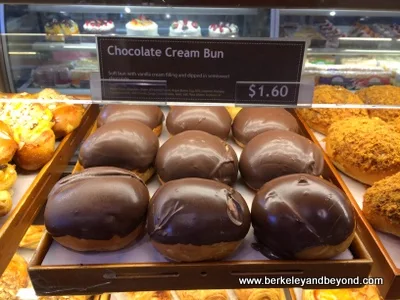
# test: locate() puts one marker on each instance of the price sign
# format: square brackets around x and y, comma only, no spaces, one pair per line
[272,93]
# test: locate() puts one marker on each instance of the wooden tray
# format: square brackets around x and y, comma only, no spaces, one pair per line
[34,188]
[383,265]
[55,269]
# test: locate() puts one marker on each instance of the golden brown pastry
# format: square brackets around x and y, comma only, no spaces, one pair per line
[320,119]
[381,205]
[384,95]
[203,295]
[5,202]
[32,237]
[369,292]
[8,146]
[154,295]
[233,111]
[260,294]
[363,148]
[15,277]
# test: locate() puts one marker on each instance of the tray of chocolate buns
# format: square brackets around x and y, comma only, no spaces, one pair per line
[364,145]
[187,198]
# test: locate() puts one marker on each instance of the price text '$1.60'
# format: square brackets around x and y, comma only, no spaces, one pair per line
[268,91]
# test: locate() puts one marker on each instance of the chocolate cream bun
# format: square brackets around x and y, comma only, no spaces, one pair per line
[252,121]
[129,145]
[196,219]
[301,216]
[277,153]
[214,120]
[149,115]
[98,209]
[197,154]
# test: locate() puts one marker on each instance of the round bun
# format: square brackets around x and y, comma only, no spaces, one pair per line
[8,146]
[150,115]
[5,202]
[14,278]
[98,209]
[129,145]
[252,121]
[366,149]
[8,176]
[197,154]
[320,119]
[214,120]
[382,95]
[381,205]
[301,216]
[195,219]
[276,153]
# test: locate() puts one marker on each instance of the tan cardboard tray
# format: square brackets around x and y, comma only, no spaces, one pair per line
[31,189]
[384,248]
[55,269]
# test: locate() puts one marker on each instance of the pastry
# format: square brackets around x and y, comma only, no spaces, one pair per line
[366,149]
[381,205]
[260,294]
[301,216]
[203,295]
[320,119]
[197,154]
[277,153]
[50,76]
[214,120]
[154,295]
[382,95]
[8,146]
[5,202]
[32,237]
[368,292]
[54,32]
[69,27]
[142,27]
[129,145]
[251,121]
[14,278]
[195,219]
[150,115]
[185,28]
[223,30]
[99,26]
[98,209]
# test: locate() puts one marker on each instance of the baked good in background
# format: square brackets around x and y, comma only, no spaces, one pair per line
[98,209]
[194,219]
[277,153]
[320,119]
[251,121]
[366,149]
[151,295]
[99,26]
[214,120]
[203,294]
[301,216]
[198,154]
[56,30]
[14,278]
[233,111]
[150,115]
[185,28]
[223,29]
[368,292]
[142,26]
[260,294]
[32,237]
[51,76]
[382,95]
[128,144]
[381,205]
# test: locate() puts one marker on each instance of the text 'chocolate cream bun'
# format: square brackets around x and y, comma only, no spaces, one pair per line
[98,209]
[129,145]
[196,219]
[277,153]
[301,216]
[197,154]
[214,120]
[149,115]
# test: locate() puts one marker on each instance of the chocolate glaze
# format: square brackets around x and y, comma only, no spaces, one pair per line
[96,204]
[251,121]
[276,153]
[149,115]
[198,212]
[129,145]
[214,120]
[295,212]
[197,154]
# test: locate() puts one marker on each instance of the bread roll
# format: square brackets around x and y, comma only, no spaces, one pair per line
[5,202]
[276,153]
[8,146]
[195,219]
[98,209]
[14,278]
[302,217]
[198,154]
